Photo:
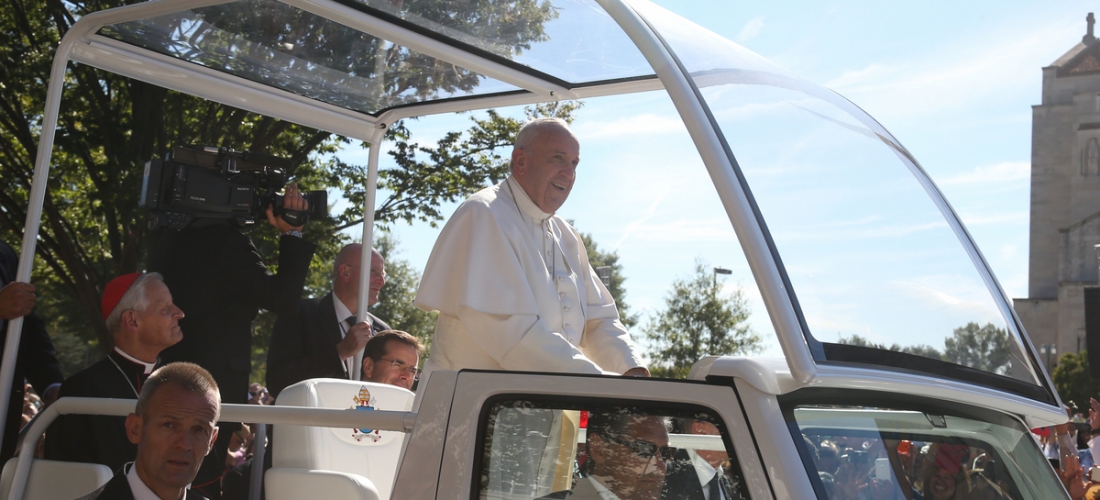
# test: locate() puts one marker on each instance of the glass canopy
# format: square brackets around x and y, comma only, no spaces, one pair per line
[878,267]
[281,46]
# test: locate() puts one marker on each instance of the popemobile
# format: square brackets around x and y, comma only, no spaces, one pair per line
[832,220]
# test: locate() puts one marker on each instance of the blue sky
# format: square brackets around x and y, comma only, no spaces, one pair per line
[953,82]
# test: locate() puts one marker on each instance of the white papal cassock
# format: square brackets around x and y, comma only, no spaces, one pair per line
[515,291]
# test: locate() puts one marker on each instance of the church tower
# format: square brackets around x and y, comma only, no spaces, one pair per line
[1065,201]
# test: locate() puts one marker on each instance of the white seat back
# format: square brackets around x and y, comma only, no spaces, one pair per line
[372,454]
[301,483]
[52,479]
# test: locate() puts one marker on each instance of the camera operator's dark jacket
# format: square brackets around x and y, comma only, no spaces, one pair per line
[219,280]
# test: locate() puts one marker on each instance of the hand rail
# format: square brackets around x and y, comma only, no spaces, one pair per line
[401,421]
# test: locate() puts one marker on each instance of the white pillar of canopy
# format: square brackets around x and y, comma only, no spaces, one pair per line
[34,217]
[368,236]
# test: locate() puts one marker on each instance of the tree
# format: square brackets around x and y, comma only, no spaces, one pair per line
[615,282]
[1073,382]
[110,125]
[395,300]
[981,347]
[698,321]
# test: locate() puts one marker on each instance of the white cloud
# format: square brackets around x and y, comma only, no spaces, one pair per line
[751,29]
[957,75]
[629,126]
[986,174]
[869,75]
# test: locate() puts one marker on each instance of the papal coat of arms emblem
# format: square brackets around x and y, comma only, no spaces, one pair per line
[363,402]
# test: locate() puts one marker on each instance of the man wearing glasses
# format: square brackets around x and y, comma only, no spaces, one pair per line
[319,339]
[390,357]
[627,458]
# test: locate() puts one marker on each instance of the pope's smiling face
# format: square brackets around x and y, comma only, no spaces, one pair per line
[547,166]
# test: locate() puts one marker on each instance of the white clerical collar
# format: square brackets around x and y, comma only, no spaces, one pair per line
[528,207]
[147,367]
[605,493]
[342,313]
[705,471]
[138,487]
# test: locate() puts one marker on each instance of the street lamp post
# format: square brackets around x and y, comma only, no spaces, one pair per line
[717,271]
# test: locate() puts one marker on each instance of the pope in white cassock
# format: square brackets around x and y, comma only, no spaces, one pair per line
[511,280]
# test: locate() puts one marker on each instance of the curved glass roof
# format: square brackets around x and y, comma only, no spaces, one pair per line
[570,43]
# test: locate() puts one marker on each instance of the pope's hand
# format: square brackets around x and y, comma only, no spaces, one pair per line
[16,300]
[639,371]
[355,339]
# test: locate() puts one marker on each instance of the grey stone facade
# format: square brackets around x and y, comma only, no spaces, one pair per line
[1065,200]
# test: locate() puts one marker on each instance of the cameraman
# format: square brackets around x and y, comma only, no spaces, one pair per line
[218,277]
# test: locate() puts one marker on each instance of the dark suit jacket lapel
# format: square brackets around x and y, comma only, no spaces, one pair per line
[326,322]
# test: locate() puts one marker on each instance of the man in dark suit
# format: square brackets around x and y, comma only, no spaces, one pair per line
[173,427]
[627,455]
[218,276]
[698,474]
[36,360]
[143,321]
[320,337]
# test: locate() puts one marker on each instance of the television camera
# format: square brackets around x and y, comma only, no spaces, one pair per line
[205,182]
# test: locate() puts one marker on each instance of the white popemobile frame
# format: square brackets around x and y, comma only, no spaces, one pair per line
[82,45]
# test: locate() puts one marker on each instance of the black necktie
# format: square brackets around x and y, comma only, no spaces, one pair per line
[715,491]
[350,322]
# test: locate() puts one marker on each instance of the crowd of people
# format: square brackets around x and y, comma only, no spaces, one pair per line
[857,467]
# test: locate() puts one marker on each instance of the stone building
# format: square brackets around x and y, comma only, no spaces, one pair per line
[1065,201]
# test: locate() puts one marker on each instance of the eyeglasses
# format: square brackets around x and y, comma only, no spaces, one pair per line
[401,365]
[645,449]
[373,274]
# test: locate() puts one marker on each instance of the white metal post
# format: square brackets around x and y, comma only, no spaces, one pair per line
[34,217]
[368,236]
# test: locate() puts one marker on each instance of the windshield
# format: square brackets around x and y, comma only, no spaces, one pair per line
[876,264]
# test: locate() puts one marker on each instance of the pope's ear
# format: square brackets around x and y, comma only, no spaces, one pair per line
[519,162]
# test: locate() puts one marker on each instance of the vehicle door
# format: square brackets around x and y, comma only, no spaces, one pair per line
[520,435]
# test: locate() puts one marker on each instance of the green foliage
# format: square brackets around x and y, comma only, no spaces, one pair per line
[597,259]
[458,165]
[1073,382]
[395,300]
[698,321]
[981,347]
